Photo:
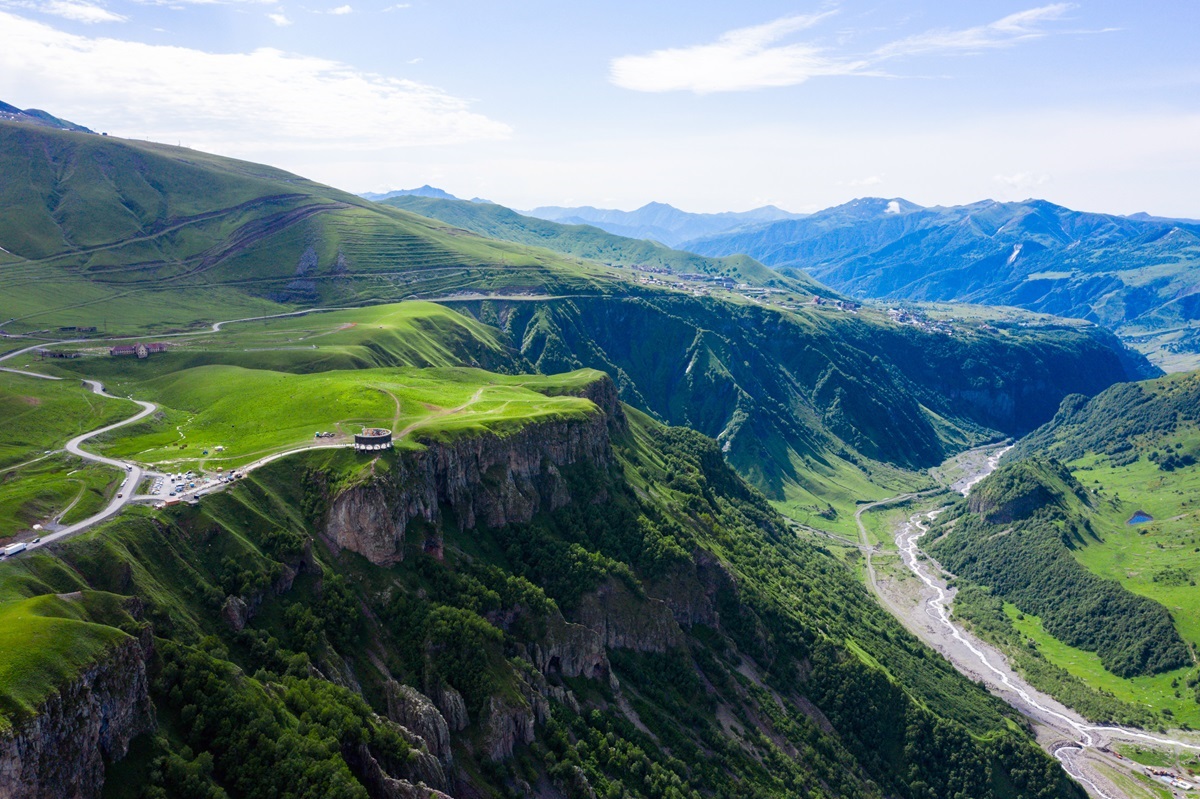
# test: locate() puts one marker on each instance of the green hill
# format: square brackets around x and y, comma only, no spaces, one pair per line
[585,241]
[1016,536]
[1121,512]
[135,235]
[731,659]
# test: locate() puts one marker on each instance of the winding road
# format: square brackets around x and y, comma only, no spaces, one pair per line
[134,472]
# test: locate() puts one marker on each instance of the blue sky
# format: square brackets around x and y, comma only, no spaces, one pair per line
[709,106]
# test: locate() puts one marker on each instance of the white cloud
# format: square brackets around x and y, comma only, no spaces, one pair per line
[756,58]
[280,19]
[228,102]
[74,10]
[397,7]
[747,58]
[340,10]
[893,207]
[871,180]
[1023,180]
[1005,32]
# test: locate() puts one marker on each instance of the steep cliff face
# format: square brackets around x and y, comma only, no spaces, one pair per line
[59,752]
[488,479]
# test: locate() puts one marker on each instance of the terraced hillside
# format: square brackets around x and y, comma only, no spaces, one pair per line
[133,235]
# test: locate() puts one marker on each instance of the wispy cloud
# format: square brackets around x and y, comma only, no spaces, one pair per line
[397,7]
[340,11]
[1023,180]
[761,57]
[870,180]
[1006,32]
[746,58]
[227,102]
[74,10]
[279,18]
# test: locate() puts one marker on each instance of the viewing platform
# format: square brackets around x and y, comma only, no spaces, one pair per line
[372,439]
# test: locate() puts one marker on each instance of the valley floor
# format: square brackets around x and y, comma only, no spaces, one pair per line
[914,589]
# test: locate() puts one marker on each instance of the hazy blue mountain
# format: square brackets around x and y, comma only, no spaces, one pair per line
[589,241]
[423,191]
[36,116]
[1135,274]
[661,222]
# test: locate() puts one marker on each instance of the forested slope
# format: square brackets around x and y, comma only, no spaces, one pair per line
[654,631]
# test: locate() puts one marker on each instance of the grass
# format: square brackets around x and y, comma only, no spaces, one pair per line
[44,642]
[214,238]
[1156,692]
[1134,785]
[398,334]
[59,485]
[1159,559]
[254,412]
[38,415]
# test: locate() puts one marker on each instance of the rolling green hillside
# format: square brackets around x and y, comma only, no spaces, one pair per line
[1130,453]
[585,241]
[135,235]
[783,678]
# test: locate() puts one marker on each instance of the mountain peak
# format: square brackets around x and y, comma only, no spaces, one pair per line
[423,191]
[36,116]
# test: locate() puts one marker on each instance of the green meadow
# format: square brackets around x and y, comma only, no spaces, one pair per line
[1166,693]
[37,417]
[252,413]
[47,638]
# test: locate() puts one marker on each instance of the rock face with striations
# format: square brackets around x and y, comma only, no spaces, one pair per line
[416,712]
[59,753]
[487,479]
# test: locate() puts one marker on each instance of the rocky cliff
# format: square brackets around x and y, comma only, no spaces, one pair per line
[59,753]
[487,479]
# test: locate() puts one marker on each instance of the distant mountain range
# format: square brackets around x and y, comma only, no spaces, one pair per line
[589,241]
[36,116]
[1136,274]
[661,222]
[423,191]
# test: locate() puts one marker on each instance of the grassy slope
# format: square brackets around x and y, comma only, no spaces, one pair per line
[795,628]
[47,639]
[254,412]
[592,243]
[135,235]
[1108,443]
[38,415]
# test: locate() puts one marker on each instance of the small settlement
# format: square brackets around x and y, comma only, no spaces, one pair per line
[139,349]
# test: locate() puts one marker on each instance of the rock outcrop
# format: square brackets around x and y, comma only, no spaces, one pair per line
[452,706]
[416,712]
[570,650]
[626,621]
[59,753]
[509,722]
[486,479]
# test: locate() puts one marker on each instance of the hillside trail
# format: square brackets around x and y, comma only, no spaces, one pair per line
[1079,745]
